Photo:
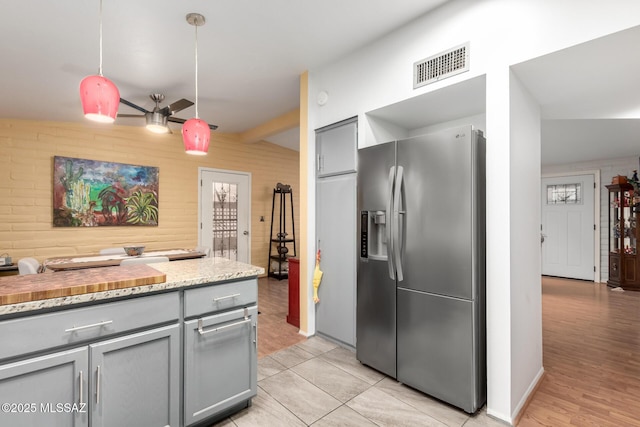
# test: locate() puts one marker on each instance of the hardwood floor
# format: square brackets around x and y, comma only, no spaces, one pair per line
[274,333]
[591,357]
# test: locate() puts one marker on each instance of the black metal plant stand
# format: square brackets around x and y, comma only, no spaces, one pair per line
[279,247]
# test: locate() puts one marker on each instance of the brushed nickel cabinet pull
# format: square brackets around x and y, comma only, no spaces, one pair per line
[226,297]
[202,331]
[93,325]
[81,380]
[98,385]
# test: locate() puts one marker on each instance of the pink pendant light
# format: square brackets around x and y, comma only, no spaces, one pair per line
[195,132]
[196,135]
[100,97]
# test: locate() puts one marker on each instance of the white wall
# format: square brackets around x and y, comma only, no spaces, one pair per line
[499,313]
[501,33]
[608,169]
[526,290]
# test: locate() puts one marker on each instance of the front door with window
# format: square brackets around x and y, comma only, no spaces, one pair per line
[224,214]
[568,226]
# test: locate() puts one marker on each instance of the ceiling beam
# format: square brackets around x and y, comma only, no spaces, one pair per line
[275,126]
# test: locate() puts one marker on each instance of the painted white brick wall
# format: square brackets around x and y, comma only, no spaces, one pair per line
[608,169]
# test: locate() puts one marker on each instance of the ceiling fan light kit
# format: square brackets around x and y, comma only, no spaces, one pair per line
[195,132]
[156,122]
[156,119]
[100,97]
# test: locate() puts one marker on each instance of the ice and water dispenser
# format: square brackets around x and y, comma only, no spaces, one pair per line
[373,235]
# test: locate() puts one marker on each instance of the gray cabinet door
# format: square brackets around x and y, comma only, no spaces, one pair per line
[336,225]
[45,391]
[220,358]
[135,379]
[336,147]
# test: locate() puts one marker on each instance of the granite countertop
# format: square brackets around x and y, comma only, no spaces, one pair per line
[179,274]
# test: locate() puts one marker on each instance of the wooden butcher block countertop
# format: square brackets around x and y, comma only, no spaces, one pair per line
[33,287]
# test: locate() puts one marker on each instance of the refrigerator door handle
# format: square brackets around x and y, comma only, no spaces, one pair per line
[389,225]
[398,223]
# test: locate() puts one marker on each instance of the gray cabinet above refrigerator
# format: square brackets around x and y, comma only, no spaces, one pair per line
[336,147]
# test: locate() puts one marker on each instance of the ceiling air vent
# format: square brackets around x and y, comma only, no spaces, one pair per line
[445,64]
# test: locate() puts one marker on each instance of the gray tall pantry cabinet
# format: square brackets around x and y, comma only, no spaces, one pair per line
[336,229]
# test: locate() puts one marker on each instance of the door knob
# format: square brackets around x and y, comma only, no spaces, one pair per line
[245,232]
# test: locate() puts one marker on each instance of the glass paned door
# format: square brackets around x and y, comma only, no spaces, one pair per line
[224,214]
[225,220]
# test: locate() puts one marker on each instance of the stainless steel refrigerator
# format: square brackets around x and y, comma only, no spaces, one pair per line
[421,271]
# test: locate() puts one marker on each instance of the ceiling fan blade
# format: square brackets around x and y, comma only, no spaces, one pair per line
[131,115]
[175,120]
[178,120]
[180,105]
[132,105]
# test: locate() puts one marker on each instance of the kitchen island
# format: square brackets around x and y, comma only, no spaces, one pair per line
[178,350]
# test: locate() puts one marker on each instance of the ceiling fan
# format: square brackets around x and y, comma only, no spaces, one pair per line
[158,118]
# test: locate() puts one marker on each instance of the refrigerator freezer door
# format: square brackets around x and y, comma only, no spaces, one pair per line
[376,290]
[439,239]
[438,348]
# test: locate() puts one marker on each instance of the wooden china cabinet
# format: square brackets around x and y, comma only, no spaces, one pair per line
[624,263]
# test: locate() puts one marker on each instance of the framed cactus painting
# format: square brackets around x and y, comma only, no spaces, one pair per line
[92,193]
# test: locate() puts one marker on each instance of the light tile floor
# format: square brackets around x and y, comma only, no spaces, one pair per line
[319,383]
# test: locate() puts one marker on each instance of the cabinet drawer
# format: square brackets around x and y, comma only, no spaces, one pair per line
[220,297]
[40,332]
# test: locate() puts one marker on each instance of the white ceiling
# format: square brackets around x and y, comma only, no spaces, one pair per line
[589,97]
[250,53]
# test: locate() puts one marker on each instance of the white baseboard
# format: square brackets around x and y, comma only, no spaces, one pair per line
[501,417]
[532,387]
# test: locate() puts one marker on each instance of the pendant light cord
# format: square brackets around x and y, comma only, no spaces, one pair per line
[197,116]
[100,67]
